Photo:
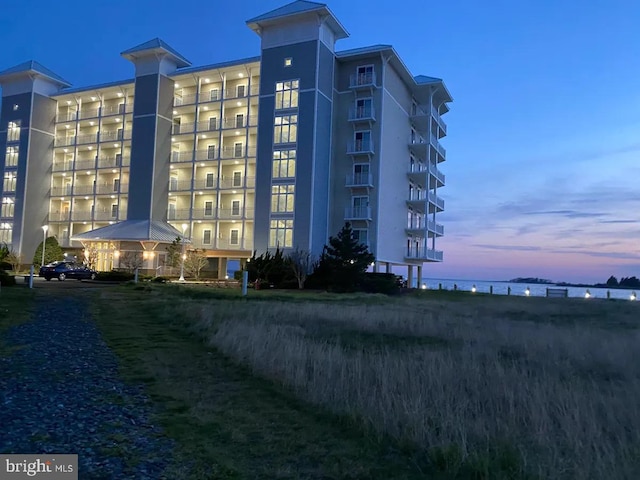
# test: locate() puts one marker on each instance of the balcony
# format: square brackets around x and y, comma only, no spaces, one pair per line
[420,119]
[360,147]
[66,117]
[87,138]
[105,215]
[235,122]
[237,152]
[424,254]
[83,164]
[64,141]
[207,126]
[362,80]
[62,166]
[210,96]
[179,185]
[419,146]
[234,214]
[439,121]
[59,217]
[255,90]
[83,189]
[205,184]
[235,92]
[112,162]
[357,213]
[359,180]
[209,154]
[181,157]
[107,188]
[88,113]
[242,244]
[113,109]
[362,114]
[418,173]
[179,129]
[430,227]
[179,214]
[82,215]
[418,201]
[203,214]
[61,191]
[237,182]
[188,99]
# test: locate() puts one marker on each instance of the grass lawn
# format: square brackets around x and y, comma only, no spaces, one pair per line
[227,422]
[16,306]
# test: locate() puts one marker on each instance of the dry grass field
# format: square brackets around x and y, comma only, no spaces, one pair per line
[522,386]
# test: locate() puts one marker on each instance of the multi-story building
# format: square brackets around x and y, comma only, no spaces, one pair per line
[275,150]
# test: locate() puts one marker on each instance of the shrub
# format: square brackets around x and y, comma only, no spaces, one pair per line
[114,276]
[7,280]
[386,283]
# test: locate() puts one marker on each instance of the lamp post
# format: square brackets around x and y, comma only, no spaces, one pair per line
[44,241]
[183,256]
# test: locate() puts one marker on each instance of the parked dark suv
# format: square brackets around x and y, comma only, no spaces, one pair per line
[63,270]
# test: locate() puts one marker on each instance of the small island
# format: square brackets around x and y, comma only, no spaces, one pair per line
[531,280]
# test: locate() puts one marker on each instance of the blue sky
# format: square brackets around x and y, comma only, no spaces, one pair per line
[542,170]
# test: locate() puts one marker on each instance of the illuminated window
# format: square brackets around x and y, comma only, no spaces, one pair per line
[206,237]
[287,94]
[284,164]
[9,182]
[13,131]
[282,198]
[7,207]
[11,158]
[234,237]
[285,129]
[288,61]
[281,233]
[6,233]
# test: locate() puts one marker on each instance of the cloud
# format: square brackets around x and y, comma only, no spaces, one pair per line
[567,213]
[619,221]
[520,248]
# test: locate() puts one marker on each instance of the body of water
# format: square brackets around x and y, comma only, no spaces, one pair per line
[519,289]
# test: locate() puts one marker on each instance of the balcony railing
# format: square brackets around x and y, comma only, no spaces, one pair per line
[83,189]
[233,152]
[87,138]
[180,157]
[64,141]
[113,109]
[204,155]
[180,185]
[436,144]
[61,191]
[182,128]
[436,200]
[422,253]
[106,136]
[82,215]
[107,188]
[360,147]
[359,180]
[62,166]
[83,164]
[205,184]
[357,213]
[188,99]
[105,215]
[362,113]
[234,92]
[66,116]
[235,182]
[110,162]
[179,214]
[59,216]
[438,118]
[420,167]
[362,80]
[231,214]
[207,126]
[89,113]
[210,96]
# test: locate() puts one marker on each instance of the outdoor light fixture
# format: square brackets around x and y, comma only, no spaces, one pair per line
[44,241]
[587,294]
[473,289]
[527,292]
[424,286]
[184,257]
[632,297]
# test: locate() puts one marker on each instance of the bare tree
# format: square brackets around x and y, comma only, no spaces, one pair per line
[14,259]
[131,260]
[194,263]
[91,256]
[301,263]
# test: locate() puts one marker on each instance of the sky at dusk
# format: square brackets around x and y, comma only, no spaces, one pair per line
[542,168]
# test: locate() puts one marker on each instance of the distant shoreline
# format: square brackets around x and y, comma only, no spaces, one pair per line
[542,281]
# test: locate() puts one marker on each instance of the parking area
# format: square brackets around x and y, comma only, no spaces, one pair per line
[41,283]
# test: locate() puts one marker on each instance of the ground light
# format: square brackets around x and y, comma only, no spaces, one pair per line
[587,294]
[473,289]
[632,297]
[527,292]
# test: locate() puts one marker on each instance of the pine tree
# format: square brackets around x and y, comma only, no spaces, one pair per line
[52,252]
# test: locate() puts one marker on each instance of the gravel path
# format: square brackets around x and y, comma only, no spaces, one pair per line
[60,393]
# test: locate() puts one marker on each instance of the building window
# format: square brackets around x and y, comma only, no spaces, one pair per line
[360,206]
[213,123]
[241,91]
[240,120]
[363,141]
[281,233]
[9,182]
[208,209]
[214,94]
[361,174]
[114,210]
[209,182]
[206,237]
[284,164]
[287,94]
[7,207]
[6,233]
[361,235]
[211,152]
[11,157]
[365,75]
[364,108]
[235,207]
[238,150]
[13,131]
[15,107]
[237,179]
[116,184]
[234,236]
[288,62]
[285,129]
[282,198]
